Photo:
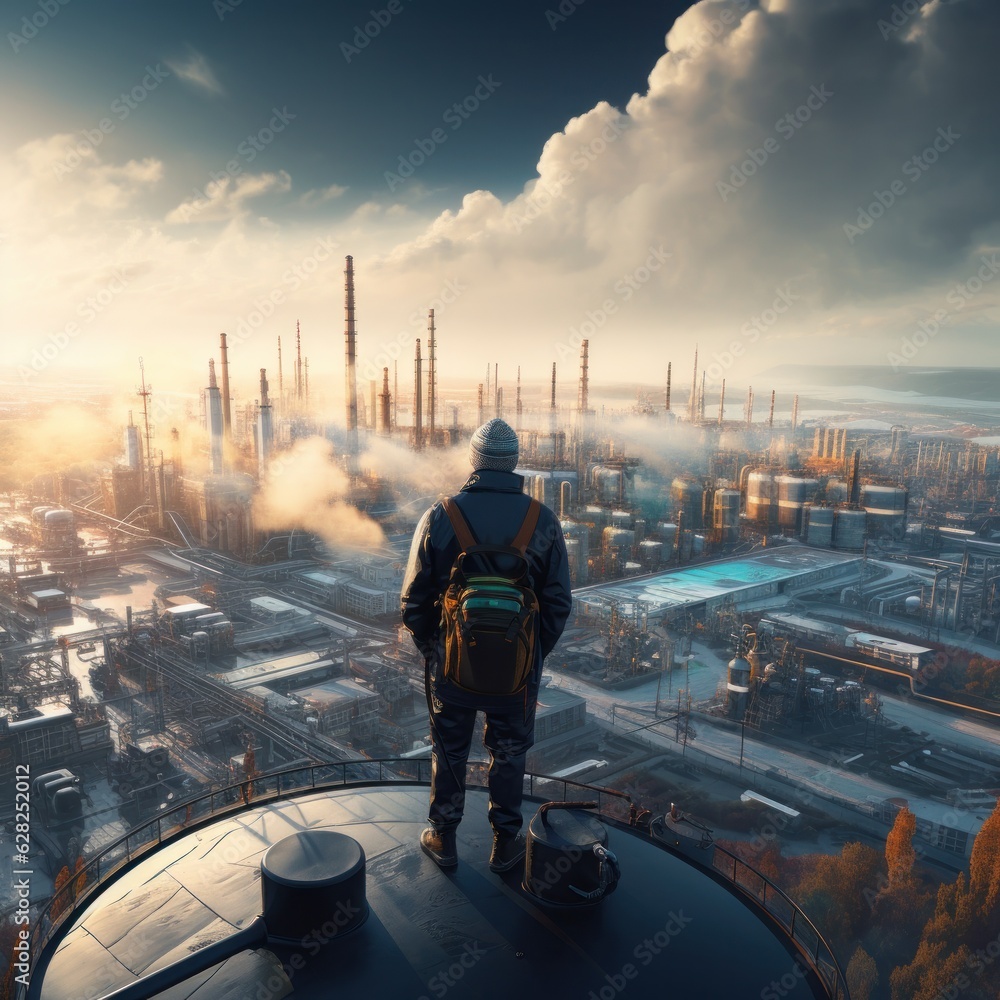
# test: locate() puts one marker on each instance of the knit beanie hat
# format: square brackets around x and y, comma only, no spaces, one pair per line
[494,446]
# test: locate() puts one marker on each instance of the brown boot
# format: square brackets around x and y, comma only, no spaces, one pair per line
[507,851]
[439,845]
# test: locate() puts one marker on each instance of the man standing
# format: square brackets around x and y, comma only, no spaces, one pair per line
[494,505]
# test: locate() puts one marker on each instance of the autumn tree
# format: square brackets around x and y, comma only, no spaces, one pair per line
[862,975]
[834,890]
[899,851]
[965,920]
[61,900]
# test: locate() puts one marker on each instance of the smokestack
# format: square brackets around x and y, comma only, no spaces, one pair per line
[722,403]
[431,377]
[298,363]
[418,421]
[395,392]
[350,372]
[518,407]
[667,400]
[226,414]
[855,494]
[693,402]
[552,403]
[281,380]
[795,412]
[265,427]
[499,402]
[386,412]
[584,376]
[770,419]
[216,427]
[481,421]
[749,406]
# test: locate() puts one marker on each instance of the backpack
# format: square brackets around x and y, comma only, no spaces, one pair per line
[490,621]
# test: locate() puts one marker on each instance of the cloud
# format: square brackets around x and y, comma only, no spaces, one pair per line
[195,70]
[306,489]
[318,196]
[226,198]
[765,133]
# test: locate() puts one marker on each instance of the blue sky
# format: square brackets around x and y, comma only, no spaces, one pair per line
[772,180]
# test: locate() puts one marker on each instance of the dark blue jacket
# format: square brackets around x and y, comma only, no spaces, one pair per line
[494,505]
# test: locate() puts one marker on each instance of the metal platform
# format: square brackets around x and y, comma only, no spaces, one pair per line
[670,929]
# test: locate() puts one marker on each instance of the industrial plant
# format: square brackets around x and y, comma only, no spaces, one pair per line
[754,599]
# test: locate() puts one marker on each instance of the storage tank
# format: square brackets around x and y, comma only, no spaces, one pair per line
[607,483]
[886,509]
[760,498]
[726,515]
[818,525]
[199,646]
[687,496]
[621,519]
[650,554]
[793,492]
[58,519]
[738,687]
[668,534]
[617,548]
[697,545]
[596,515]
[574,560]
[38,514]
[849,529]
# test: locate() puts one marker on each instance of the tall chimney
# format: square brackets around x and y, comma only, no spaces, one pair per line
[350,372]
[281,380]
[517,404]
[584,377]
[216,426]
[386,412]
[693,402]
[418,417]
[431,377]
[226,414]
[265,427]
[481,421]
[749,406]
[722,403]
[795,412]
[770,419]
[666,406]
[298,363]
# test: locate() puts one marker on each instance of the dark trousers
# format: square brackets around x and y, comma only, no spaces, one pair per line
[508,736]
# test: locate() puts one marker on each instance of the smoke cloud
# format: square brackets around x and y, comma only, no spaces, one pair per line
[306,489]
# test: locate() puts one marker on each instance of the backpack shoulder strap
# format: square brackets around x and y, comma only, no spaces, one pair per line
[460,526]
[527,526]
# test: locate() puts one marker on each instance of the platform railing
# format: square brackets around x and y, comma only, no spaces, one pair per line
[199,810]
